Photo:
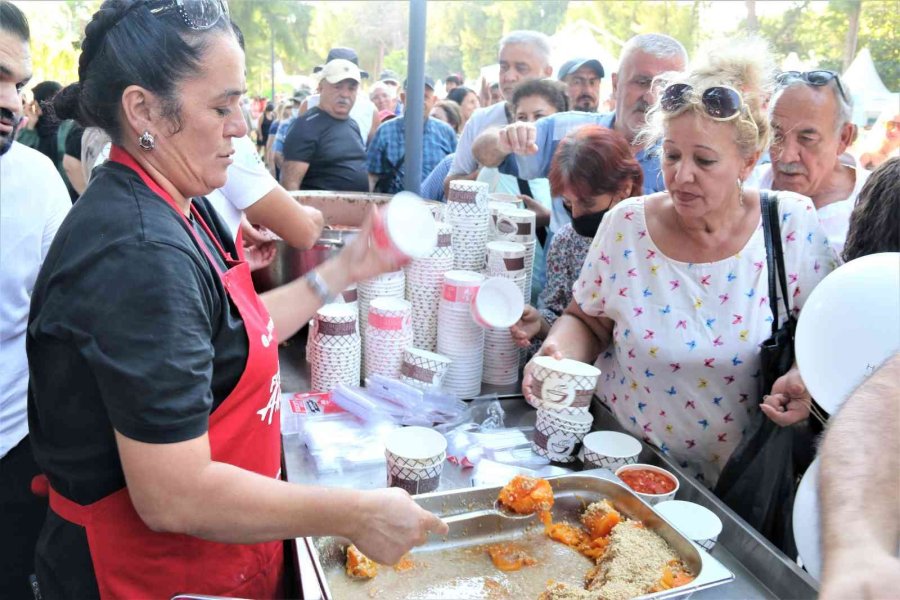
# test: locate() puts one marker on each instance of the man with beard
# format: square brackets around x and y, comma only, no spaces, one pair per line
[526,149]
[582,77]
[811,121]
[33,203]
[323,149]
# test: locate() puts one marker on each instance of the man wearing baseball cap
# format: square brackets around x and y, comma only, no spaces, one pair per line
[390,78]
[363,111]
[387,152]
[324,149]
[582,77]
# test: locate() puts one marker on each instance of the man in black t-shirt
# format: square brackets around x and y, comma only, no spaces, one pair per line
[323,149]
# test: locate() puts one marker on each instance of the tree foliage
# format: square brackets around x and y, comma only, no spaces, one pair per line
[820,35]
[462,35]
[280,24]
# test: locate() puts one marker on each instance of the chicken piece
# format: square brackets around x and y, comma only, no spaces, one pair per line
[599,518]
[567,534]
[526,495]
[510,557]
[359,566]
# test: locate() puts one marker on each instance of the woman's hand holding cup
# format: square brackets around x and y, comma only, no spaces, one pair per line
[548,349]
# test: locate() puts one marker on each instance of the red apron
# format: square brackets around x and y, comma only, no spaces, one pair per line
[130,560]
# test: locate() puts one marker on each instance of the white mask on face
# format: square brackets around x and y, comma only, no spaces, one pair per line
[295,112]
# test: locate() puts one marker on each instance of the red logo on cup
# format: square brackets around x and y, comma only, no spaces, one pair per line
[385,322]
[453,293]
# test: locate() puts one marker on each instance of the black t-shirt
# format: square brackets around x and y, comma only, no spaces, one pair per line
[334,150]
[130,329]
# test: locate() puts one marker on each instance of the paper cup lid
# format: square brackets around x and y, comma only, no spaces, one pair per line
[612,444]
[567,365]
[419,443]
[693,520]
[411,226]
[498,303]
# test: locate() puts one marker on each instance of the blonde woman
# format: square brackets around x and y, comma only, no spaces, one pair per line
[671,300]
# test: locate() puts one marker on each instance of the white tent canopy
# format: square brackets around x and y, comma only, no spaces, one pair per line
[870,96]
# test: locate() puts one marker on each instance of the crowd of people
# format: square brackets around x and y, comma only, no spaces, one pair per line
[136,200]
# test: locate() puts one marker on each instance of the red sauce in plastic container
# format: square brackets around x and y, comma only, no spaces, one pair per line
[647,482]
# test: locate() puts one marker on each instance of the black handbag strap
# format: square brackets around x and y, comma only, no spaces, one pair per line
[774,255]
[524,187]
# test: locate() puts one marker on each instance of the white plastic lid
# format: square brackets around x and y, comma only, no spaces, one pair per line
[499,303]
[612,444]
[693,520]
[410,225]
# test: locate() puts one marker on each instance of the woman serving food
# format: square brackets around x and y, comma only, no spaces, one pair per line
[672,297]
[154,398]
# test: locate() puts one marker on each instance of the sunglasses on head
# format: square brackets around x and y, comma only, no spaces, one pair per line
[816,78]
[198,15]
[720,102]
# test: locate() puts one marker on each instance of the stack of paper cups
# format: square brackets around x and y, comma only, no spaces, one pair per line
[423,369]
[349,297]
[388,334]
[558,436]
[468,213]
[460,338]
[507,199]
[333,348]
[424,278]
[517,225]
[386,285]
[507,260]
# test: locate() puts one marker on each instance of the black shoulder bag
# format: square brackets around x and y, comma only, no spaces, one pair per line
[760,479]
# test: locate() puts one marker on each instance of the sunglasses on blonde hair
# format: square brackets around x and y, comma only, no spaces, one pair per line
[721,103]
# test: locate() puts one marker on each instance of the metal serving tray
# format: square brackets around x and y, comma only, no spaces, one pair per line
[455,566]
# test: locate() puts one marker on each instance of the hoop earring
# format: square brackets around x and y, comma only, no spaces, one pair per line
[146,141]
[740,184]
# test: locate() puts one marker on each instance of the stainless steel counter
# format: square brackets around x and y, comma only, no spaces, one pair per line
[760,569]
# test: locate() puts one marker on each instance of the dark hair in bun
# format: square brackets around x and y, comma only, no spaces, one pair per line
[125,44]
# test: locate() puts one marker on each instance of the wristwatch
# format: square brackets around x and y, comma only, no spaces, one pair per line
[319,287]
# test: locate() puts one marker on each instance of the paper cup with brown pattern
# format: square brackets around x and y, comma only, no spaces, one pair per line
[563,383]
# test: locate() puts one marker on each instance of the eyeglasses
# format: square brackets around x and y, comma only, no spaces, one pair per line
[720,102]
[198,15]
[817,78]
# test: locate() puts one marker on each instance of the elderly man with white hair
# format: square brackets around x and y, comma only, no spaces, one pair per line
[524,55]
[810,114]
[526,149]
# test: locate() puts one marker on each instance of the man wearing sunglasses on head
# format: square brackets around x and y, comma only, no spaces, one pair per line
[811,114]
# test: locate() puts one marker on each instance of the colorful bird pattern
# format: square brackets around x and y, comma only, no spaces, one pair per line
[688,382]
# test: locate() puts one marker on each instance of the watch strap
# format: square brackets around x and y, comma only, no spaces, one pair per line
[319,287]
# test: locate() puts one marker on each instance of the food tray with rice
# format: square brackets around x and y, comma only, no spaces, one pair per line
[639,550]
